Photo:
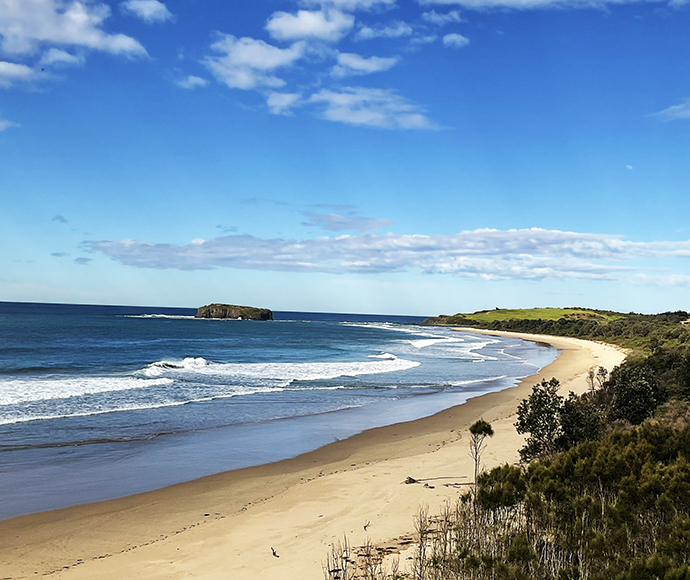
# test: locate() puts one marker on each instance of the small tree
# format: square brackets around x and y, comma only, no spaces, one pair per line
[602,376]
[591,377]
[539,415]
[479,431]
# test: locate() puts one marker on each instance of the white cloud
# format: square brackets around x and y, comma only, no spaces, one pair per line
[150,11]
[350,64]
[191,82]
[680,280]
[442,19]
[486,253]
[282,103]
[350,5]
[246,63]
[329,25]
[334,222]
[455,40]
[426,39]
[392,30]
[6,124]
[370,107]
[629,167]
[534,4]
[27,24]
[58,57]
[11,72]
[676,112]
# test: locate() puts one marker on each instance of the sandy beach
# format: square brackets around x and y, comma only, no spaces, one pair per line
[225,525]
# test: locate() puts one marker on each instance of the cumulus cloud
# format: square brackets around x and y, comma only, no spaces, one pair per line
[532,254]
[59,218]
[282,103]
[247,63]
[370,107]
[442,19]
[392,30]
[329,25]
[455,40]
[675,112]
[6,124]
[534,4]
[58,57]
[150,11]
[334,222]
[350,64]
[11,73]
[350,5]
[82,261]
[25,25]
[191,82]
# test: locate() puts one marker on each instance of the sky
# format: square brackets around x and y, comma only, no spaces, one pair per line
[375,156]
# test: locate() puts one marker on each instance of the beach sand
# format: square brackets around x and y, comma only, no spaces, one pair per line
[225,525]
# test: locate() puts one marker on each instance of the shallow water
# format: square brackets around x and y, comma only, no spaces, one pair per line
[99,402]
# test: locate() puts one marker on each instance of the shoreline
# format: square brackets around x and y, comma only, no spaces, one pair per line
[224,525]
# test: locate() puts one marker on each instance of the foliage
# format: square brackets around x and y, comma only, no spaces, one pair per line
[479,431]
[503,314]
[618,508]
[538,415]
[644,332]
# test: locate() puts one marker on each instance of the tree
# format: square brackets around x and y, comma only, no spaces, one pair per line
[479,431]
[539,416]
[634,392]
[579,421]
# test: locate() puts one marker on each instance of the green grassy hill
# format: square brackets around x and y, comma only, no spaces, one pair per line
[643,332]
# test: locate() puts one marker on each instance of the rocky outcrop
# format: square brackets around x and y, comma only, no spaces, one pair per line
[233,311]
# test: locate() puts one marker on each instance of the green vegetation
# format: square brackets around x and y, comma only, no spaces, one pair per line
[502,314]
[611,509]
[479,431]
[642,332]
[603,490]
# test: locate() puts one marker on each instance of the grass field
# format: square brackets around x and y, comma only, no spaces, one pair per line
[542,314]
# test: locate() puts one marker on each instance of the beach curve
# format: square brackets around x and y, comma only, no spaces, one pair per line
[225,525]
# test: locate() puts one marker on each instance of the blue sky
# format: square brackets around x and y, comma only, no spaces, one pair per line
[384,156]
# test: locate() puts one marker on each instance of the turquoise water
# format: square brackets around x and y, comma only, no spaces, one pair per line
[100,402]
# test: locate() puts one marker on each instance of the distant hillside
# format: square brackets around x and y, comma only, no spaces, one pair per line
[643,332]
[500,314]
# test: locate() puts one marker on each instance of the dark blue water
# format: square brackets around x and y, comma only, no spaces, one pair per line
[103,401]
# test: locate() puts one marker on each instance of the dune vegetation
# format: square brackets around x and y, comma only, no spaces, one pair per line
[602,491]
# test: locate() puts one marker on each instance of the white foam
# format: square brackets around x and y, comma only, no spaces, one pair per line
[383,355]
[424,342]
[15,391]
[474,381]
[170,316]
[279,371]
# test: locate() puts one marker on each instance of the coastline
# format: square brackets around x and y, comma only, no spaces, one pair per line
[224,525]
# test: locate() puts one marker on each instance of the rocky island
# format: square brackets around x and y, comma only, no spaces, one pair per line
[233,311]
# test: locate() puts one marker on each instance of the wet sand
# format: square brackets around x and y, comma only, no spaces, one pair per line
[224,525]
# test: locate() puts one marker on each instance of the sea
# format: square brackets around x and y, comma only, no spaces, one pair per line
[99,402]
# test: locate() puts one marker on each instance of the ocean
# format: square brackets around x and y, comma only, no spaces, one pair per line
[98,402]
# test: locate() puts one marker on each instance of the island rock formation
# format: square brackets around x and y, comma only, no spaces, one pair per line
[233,311]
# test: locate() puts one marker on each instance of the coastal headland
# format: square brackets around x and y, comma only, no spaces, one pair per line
[229,525]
